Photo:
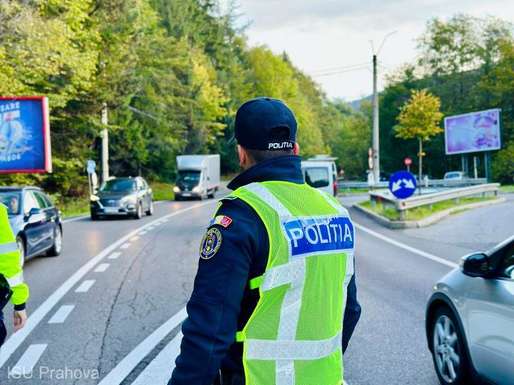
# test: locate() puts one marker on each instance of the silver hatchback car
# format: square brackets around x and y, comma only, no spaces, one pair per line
[470,320]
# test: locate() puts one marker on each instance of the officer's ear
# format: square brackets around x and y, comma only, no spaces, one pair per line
[243,157]
[296,149]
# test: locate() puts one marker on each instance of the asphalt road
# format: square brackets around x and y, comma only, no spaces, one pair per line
[108,311]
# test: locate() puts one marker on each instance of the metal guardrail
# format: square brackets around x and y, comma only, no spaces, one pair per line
[343,184]
[424,200]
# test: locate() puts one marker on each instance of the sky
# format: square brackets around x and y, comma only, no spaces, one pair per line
[329,36]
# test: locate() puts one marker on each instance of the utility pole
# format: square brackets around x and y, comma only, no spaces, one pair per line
[376,130]
[376,135]
[105,145]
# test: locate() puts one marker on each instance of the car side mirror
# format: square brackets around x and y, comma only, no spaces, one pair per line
[34,211]
[477,265]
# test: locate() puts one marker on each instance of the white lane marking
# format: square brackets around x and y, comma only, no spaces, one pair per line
[102,267]
[159,370]
[61,314]
[127,365]
[134,238]
[143,232]
[125,246]
[74,219]
[114,255]
[432,257]
[85,286]
[27,361]
[35,318]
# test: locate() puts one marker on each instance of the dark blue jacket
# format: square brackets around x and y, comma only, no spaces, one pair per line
[221,302]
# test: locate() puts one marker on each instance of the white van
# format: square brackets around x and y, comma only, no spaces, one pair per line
[320,172]
[198,176]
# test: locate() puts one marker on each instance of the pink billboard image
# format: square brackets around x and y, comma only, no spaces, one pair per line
[473,132]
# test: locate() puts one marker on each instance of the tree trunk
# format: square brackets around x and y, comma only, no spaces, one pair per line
[420,172]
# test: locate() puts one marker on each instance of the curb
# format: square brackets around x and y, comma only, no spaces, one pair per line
[395,225]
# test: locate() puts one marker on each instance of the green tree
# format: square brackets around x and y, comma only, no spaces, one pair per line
[420,118]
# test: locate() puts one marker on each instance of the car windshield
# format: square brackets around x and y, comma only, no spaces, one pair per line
[119,185]
[452,175]
[316,176]
[11,199]
[189,176]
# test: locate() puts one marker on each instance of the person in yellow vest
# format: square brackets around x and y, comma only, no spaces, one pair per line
[274,299]
[12,284]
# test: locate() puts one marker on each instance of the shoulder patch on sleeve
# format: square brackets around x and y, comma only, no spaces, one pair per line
[222,220]
[211,243]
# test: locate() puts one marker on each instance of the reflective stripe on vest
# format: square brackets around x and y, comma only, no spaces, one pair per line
[16,280]
[292,350]
[285,349]
[8,247]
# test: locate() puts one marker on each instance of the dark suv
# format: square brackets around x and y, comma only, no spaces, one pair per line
[35,221]
[130,197]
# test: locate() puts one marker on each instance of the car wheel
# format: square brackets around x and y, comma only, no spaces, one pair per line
[448,349]
[94,216]
[139,211]
[211,195]
[21,246]
[150,209]
[56,249]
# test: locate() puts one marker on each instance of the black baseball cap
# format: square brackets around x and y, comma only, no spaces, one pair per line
[265,124]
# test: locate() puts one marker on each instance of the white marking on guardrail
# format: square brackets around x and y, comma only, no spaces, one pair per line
[85,286]
[27,361]
[114,255]
[125,246]
[35,318]
[102,267]
[60,315]
[159,370]
[127,365]
[432,257]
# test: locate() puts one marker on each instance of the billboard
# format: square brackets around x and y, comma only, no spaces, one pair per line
[24,135]
[473,132]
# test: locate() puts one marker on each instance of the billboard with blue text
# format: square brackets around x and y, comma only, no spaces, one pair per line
[24,135]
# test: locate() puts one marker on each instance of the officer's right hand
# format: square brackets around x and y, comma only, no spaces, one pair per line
[20,318]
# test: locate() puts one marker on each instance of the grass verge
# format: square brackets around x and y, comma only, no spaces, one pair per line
[419,213]
[507,188]
[162,191]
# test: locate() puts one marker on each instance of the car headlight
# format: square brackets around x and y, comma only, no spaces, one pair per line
[197,189]
[130,200]
[94,198]
[176,189]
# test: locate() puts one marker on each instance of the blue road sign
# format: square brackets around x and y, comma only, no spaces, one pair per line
[402,184]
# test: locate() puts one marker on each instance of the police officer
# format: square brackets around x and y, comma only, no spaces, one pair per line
[276,270]
[11,276]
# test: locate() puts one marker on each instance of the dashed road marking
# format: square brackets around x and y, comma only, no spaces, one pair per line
[85,286]
[114,255]
[27,361]
[125,246]
[143,232]
[60,315]
[134,238]
[102,267]
[16,339]
[125,366]
[432,257]
[159,370]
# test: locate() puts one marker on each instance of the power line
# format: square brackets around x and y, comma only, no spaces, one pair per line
[366,67]
[331,69]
